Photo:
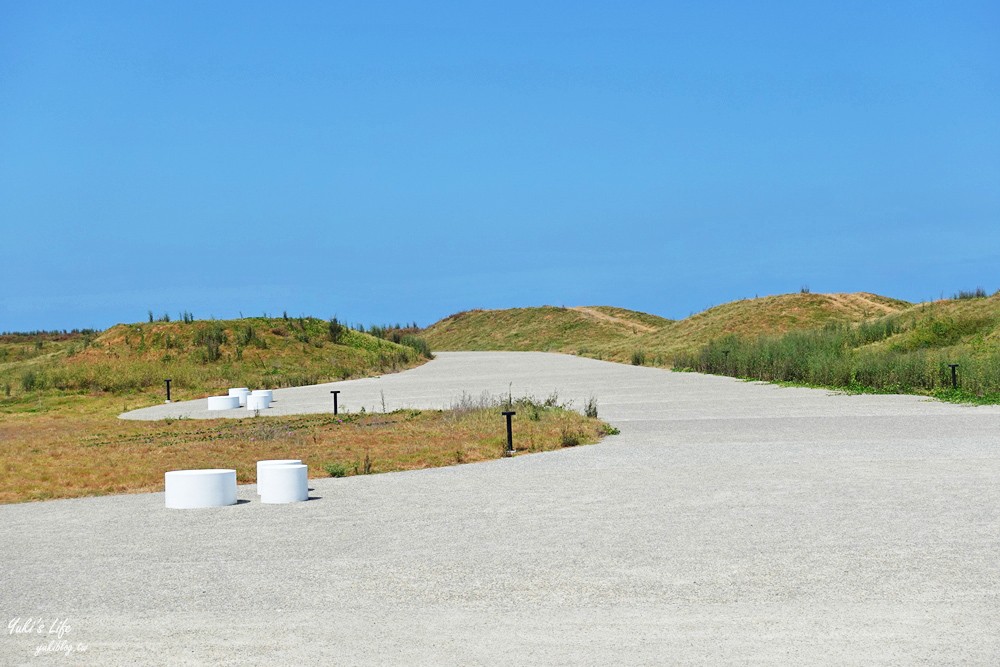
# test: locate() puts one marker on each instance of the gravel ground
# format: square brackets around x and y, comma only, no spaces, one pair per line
[730,522]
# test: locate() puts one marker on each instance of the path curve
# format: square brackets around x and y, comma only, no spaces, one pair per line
[729,522]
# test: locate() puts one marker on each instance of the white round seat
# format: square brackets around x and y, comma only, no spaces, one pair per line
[190,489]
[286,483]
[241,392]
[223,402]
[264,392]
[262,472]
[257,402]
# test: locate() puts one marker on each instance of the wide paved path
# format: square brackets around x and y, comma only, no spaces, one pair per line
[730,522]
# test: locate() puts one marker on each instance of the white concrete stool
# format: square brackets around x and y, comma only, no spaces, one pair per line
[242,392]
[262,472]
[189,489]
[264,392]
[223,402]
[257,402]
[288,483]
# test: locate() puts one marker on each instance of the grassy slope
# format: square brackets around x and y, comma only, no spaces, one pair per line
[768,315]
[585,331]
[546,328]
[907,351]
[971,325]
[203,357]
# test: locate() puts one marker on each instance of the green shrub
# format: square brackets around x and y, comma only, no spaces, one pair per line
[418,344]
[335,331]
[638,357]
[212,337]
[569,438]
[335,469]
[245,335]
[30,381]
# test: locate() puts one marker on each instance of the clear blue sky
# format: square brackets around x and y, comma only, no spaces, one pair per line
[402,161]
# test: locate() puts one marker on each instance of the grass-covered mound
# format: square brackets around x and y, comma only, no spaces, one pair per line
[629,336]
[545,328]
[201,357]
[909,351]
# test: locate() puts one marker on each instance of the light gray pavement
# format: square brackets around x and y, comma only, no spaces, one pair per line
[730,522]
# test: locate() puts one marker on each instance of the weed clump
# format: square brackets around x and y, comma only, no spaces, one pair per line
[569,437]
[335,469]
[335,331]
[419,344]
[29,381]
[211,337]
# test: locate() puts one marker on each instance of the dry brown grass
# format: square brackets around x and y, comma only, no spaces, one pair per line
[64,454]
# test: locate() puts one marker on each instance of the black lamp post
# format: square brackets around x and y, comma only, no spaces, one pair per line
[510,433]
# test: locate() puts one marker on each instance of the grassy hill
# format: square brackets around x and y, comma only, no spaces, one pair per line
[624,335]
[767,315]
[200,357]
[907,351]
[547,328]
[859,342]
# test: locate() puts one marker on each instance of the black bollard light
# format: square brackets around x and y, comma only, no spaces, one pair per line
[168,389]
[954,375]
[510,433]
[335,393]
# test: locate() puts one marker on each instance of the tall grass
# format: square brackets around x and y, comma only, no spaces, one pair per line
[885,355]
[402,335]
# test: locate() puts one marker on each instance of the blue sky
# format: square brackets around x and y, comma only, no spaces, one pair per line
[389,162]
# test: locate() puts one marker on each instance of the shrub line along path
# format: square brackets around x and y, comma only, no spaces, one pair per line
[729,522]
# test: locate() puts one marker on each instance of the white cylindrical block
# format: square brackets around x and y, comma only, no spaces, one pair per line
[287,483]
[258,402]
[262,472]
[223,402]
[264,392]
[242,392]
[190,489]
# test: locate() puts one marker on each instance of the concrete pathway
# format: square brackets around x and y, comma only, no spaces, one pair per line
[730,522]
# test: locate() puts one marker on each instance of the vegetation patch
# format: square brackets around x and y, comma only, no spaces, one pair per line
[548,328]
[911,351]
[201,357]
[627,336]
[854,342]
[63,455]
